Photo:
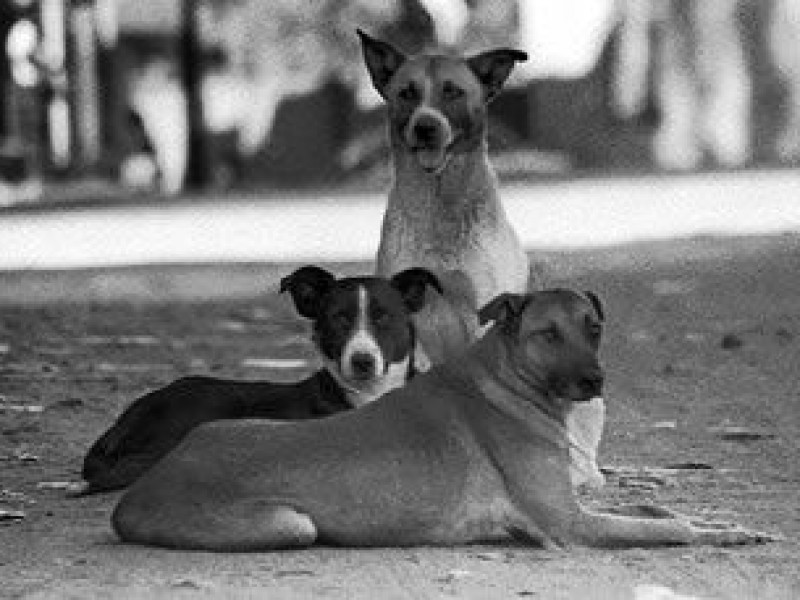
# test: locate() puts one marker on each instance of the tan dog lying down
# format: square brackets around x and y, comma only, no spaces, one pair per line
[474,450]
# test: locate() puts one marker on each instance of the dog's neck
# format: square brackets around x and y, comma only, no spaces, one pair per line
[489,365]
[463,192]
[493,351]
[528,402]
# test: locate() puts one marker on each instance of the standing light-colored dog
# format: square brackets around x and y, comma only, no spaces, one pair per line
[473,450]
[444,211]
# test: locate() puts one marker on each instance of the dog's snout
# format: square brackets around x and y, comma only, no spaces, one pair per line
[592,383]
[426,132]
[363,365]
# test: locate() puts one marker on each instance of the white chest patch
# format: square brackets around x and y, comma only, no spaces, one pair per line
[363,340]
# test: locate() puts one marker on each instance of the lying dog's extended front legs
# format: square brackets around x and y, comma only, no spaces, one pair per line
[664,528]
[625,527]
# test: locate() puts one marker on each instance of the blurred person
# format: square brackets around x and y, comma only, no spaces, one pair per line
[156,96]
[564,38]
[449,19]
[284,48]
[272,52]
[138,168]
[784,43]
[702,83]
[20,104]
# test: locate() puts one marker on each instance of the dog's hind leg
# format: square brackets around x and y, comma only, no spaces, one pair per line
[238,526]
[268,527]
[249,525]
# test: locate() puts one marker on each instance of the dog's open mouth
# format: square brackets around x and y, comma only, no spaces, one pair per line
[431,159]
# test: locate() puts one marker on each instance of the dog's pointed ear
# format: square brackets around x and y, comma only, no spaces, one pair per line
[307,285]
[598,306]
[382,61]
[493,67]
[412,284]
[504,309]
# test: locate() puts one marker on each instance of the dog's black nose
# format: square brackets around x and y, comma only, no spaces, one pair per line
[426,132]
[363,365]
[591,384]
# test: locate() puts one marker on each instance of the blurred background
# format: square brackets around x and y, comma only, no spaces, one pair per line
[160,96]
[261,117]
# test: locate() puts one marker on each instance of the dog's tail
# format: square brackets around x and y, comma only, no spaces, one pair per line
[448,322]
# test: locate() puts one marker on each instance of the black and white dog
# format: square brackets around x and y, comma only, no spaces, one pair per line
[363,329]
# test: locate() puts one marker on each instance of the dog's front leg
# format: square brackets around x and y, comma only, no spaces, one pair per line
[659,527]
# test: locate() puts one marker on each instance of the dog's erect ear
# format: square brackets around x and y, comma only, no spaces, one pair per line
[382,61]
[412,283]
[598,306]
[492,68]
[504,309]
[307,285]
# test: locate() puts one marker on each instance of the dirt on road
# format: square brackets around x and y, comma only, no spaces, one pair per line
[702,351]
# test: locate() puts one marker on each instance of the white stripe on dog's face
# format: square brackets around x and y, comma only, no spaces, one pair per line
[362,357]
[365,339]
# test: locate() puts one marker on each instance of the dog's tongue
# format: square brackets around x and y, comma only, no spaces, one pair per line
[431,159]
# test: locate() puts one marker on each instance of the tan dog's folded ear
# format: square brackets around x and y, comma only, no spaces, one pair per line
[307,285]
[504,309]
[492,68]
[382,61]
[598,306]
[412,283]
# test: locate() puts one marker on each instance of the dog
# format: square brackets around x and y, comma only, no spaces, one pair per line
[444,211]
[474,450]
[363,331]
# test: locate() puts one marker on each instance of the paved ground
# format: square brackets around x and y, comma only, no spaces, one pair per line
[702,355]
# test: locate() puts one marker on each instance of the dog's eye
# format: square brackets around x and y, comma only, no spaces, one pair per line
[342,319]
[451,91]
[551,335]
[408,93]
[593,329]
[380,316]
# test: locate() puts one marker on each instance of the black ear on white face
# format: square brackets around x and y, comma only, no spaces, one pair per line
[598,306]
[504,309]
[412,284]
[382,60]
[492,68]
[307,285]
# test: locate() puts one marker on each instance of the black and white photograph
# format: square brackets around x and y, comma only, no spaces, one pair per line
[400,299]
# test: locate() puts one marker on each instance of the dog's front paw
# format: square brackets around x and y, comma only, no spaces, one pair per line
[729,534]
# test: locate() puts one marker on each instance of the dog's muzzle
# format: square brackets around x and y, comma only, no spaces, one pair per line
[579,386]
[427,133]
[429,136]
[591,385]
[363,366]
